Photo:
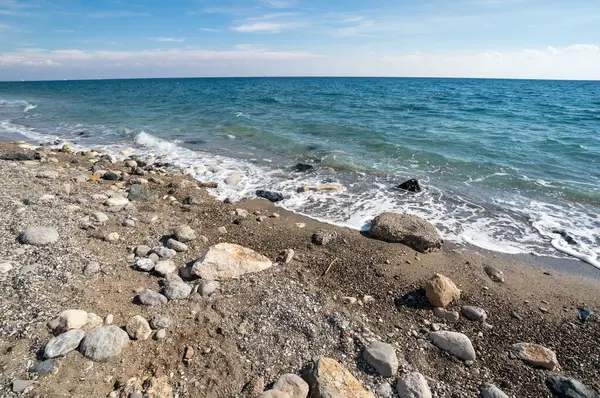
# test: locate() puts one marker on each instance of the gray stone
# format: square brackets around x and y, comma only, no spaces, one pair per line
[489,390]
[19,386]
[385,390]
[5,267]
[222,230]
[140,193]
[161,334]
[273,394]
[408,229]
[151,298]
[177,290]
[413,385]
[176,245]
[207,288]
[286,256]
[116,201]
[47,174]
[382,357]
[184,234]
[165,267]
[43,368]
[39,236]
[564,387]
[243,213]
[494,273]
[324,237]
[456,344]
[145,264]
[138,328]
[164,252]
[98,217]
[142,250]
[112,237]
[473,313]
[226,261]
[450,316]
[101,344]
[160,322]
[91,269]
[63,344]
[154,258]
[292,385]
[128,223]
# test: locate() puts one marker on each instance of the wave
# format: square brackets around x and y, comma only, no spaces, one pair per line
[29,107]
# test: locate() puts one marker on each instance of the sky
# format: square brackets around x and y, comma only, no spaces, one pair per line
[89,39]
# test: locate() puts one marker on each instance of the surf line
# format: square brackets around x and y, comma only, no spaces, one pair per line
[583,257]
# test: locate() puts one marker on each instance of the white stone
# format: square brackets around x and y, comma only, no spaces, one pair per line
[413,385]
[5,267]
[227,260]
[165,267]
[72,319]
[138,328]
[456,344]
[116,201]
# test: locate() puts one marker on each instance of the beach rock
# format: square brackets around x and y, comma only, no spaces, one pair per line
[98,217]
[450,316]
[158,387]
[116,202]
[385,390]
[320,188]
[227,260]
[177,290]
[139,193]
[441,291]
[108,320]
[103,343]
[269,195]
[489,390]
[222,230]
[144,264]
[142,250]
[112,237]
[131,163]
[274,394]
[327,378]
[164,252]
[243,213]
[5,267]
[72,319]
[564,387]
[161,334]
[413,385]
[47,174]
[42,368]
[151,298]
[382,357]
[286,256]
[93,321]
[18,156]
[456,344]
[207,288]
[19,386]
[473,313]
[184,234]
[411,185]
[303,167]
[63,344]
[535,355]
[39,236]
[176,245]
[233,179]
[153,257]
[138,328]
[494,273]
[165,267]
[407,229]
[160,322]
[292,385]
[128,223]
[111,176]
[323,237]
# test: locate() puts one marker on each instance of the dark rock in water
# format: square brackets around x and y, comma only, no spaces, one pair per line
[43,367]
[411,185]
[269,195]
[138,192]
[568,238]
[303,167]
[410,230]
[17,156]
[564,387]
[584,314]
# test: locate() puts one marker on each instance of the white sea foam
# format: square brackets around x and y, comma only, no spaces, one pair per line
[29,107]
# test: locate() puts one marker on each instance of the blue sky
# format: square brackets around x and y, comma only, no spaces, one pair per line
[56,39]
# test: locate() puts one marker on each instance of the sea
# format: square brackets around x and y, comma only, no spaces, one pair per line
[511,166]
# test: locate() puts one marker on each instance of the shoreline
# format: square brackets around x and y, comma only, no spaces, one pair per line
[332,300]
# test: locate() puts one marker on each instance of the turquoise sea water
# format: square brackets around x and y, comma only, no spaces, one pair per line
[504,163]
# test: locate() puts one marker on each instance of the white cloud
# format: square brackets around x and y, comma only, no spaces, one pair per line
[170,39]
[4,27]
[269,27]
[273,15]
[353,19]
[7,12]
[117,14]
[208,30]
[278,3]
[64,31]
[583,48]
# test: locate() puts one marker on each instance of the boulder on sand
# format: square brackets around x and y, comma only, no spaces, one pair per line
[227,260]
[410,230]
[101,344]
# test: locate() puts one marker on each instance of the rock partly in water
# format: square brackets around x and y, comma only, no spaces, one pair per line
[39,236]
[456,344]
[411,185]
[292,385]
[269,195]
[327,378]
[535,355]
[151,298]
[184,234]
[227,260]
[103,343]
[303,167]
[441,291]
[63,344]
[407,229]
[413,385]
[565,387]
[324,237]
[473,313]
[489,390]
[382,357]
[138,328]
[320,188]
[494,273]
